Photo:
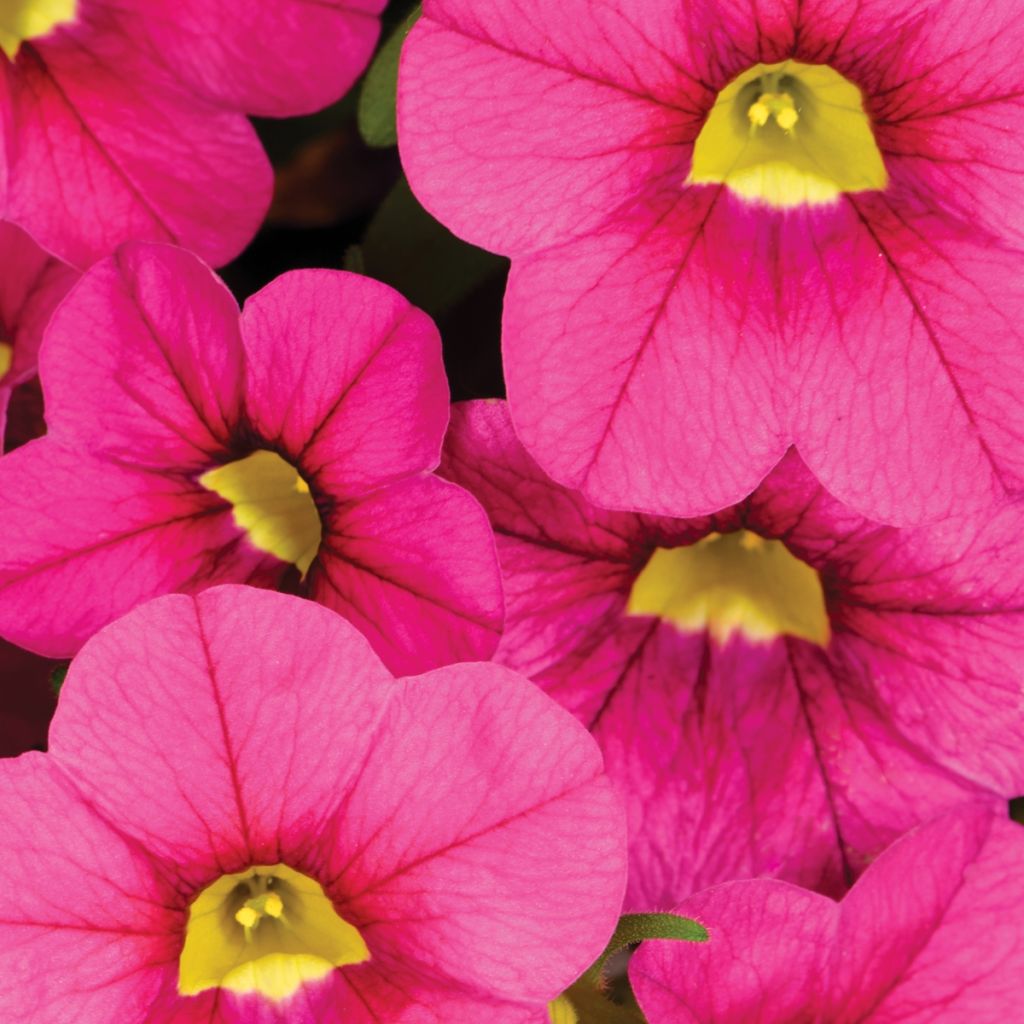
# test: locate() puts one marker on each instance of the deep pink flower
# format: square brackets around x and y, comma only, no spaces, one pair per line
[124,119]
[666,340]
[327,404]
[31,284]
[448,843]
[933,933]
[751,730]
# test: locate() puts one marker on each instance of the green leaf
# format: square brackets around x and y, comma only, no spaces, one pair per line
[378,96]
[406,248]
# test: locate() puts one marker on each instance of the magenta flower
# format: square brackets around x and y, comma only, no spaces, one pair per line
[126,120]
[289,449]
[31,285]
[736,227]
[931,934]
[781,689]
[268,827]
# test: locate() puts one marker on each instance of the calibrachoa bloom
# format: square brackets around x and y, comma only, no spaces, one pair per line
[245,818]
[739,226]
[782,688]
[933,933]
[291,448]
[122,120]
[31,284]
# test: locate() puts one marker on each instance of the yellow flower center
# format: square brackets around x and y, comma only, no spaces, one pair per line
[789,135]
[272,503]
[29,19]
[6,358]
[266,931]
[733,583]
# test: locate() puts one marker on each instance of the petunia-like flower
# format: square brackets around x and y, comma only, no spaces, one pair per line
[736,227]
[32,283]
[933,933]
[125,119]
[780,689]
[245,818]
[291,448]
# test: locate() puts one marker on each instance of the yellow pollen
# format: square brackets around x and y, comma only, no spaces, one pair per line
[787,135]
[21,20]
[272,503]
[6,358]
[269,931]
[758,113]
[734,583]
[247,917]
[778,103]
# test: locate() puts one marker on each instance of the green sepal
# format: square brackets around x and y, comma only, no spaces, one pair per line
[633,928]
[380,88]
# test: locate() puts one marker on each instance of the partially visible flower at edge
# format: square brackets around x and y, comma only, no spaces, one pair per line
[32,283]
[932,933]
[267,826]
[126,120]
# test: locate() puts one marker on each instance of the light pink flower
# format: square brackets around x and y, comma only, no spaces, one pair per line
[933,933]
[152,382]
[127,120]
[31,284]
[666,342]
[460,822]
[781,755]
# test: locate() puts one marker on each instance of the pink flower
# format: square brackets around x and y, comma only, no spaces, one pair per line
[782,688]
[31,285]
[931,934]
[713,259]
[125,120]
[244,818]
[292,448]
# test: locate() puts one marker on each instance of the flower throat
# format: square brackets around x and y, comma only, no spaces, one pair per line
[734,583]
[21,20]
[788,135]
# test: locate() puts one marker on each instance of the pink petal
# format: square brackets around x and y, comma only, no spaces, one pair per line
[616,383]
[85,541]
[485,806]
[109,146]
[226,741]
[500,167]
[713,754]
[346,377]
[764,961]
[87,930]
[908,332]
[144,361]
[279,60]
[933,931]
[32,284]
[413,567]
